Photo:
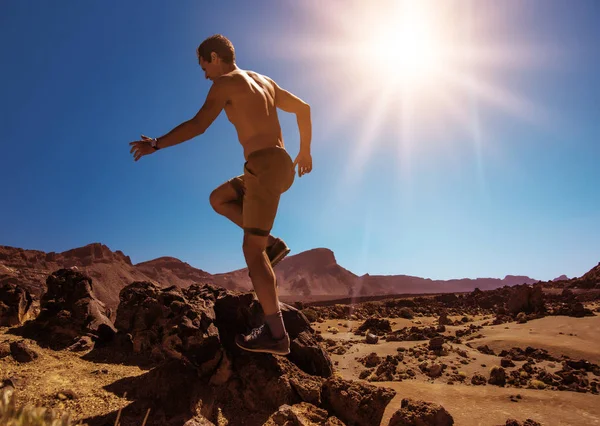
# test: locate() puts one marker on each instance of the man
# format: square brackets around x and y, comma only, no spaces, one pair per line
[250,200]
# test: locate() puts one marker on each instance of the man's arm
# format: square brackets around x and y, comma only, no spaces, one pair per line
[288,102]
[214,103]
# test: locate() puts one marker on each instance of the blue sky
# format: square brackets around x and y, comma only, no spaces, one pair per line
[500,178]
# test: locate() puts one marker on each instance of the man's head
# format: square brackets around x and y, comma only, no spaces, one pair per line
[216,56]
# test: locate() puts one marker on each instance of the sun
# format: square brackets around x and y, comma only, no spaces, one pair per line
[409,76]
[406,47]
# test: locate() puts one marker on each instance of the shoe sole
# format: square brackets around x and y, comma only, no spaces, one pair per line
[264,351]
[280,257]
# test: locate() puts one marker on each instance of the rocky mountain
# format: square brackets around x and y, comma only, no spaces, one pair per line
[310,273]
[313,274]
[590,279]
[173,271]
[394,284]
[561,278]
[110,271]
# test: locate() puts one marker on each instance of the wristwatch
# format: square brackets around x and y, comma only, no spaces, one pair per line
[154,144]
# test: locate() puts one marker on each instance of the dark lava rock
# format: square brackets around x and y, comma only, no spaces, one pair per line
[354,402]
[497,376]
[376,325]
[506,362]
[21,352]
[528,422]
[436,343]
[484,349]
[372,339]
[68,311]
[15,305]
[420,413]
[478,379]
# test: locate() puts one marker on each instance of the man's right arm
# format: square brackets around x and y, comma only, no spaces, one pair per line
[288,102]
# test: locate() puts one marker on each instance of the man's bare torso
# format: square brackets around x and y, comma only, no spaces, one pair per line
[250,107]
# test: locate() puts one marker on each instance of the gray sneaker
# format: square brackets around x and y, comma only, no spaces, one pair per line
[277,251]
[261,340]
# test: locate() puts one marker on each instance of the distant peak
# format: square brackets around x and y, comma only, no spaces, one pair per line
[165,259]
[561,278]
[317,255]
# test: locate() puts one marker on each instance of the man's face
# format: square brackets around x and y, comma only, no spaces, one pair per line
[211,69]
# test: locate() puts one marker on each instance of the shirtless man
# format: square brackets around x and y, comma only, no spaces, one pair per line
[250,200]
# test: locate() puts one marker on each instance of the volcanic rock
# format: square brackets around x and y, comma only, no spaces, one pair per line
[420,413]
[354,402]
[376,325]
[15,305]
[497,376]
[69,310]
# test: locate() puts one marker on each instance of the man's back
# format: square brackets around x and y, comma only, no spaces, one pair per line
[251,107]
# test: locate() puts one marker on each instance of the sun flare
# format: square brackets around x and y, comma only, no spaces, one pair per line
[410,76]
[405,47]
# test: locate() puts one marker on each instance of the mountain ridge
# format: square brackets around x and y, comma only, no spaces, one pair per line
[313,273]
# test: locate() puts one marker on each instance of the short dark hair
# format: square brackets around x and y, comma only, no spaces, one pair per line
[220,45]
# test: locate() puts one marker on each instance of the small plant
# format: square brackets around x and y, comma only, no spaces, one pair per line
[27,415]
[311,314]
[537,384]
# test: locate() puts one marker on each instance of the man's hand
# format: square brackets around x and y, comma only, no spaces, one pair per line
[304,162]
[141,148]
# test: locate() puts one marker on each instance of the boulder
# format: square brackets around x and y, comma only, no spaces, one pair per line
[372,339]
[302,414]
[376,325]
[354,402]
[165,324]
[420,413]
[524,298]
[69,310]
[15,305]
[497,376]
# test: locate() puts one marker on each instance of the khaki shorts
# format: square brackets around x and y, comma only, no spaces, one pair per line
[268,173]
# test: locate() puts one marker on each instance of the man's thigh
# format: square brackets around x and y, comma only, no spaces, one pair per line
[260,206]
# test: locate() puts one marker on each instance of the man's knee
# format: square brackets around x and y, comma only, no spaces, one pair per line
[215,200]
[253,245]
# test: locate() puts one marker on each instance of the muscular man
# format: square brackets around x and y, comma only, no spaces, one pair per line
[250,200]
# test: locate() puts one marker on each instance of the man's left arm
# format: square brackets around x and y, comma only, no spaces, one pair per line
[213,105]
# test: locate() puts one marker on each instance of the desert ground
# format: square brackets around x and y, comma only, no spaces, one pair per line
[68,382]
[485,405]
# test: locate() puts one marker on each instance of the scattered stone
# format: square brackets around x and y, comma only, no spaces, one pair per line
[84,343]
[376,325]
[444,320]
[436,343]
[420,413]
[435,370]
[528,422]
[478,379]
[21,352]
[298,414]
[372,339]
[484,349]
[497,376]
[354,402]
[65,394]
[4,350]
[371,360]
[506,362]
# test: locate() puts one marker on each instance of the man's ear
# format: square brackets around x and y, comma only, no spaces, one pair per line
[213,57]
